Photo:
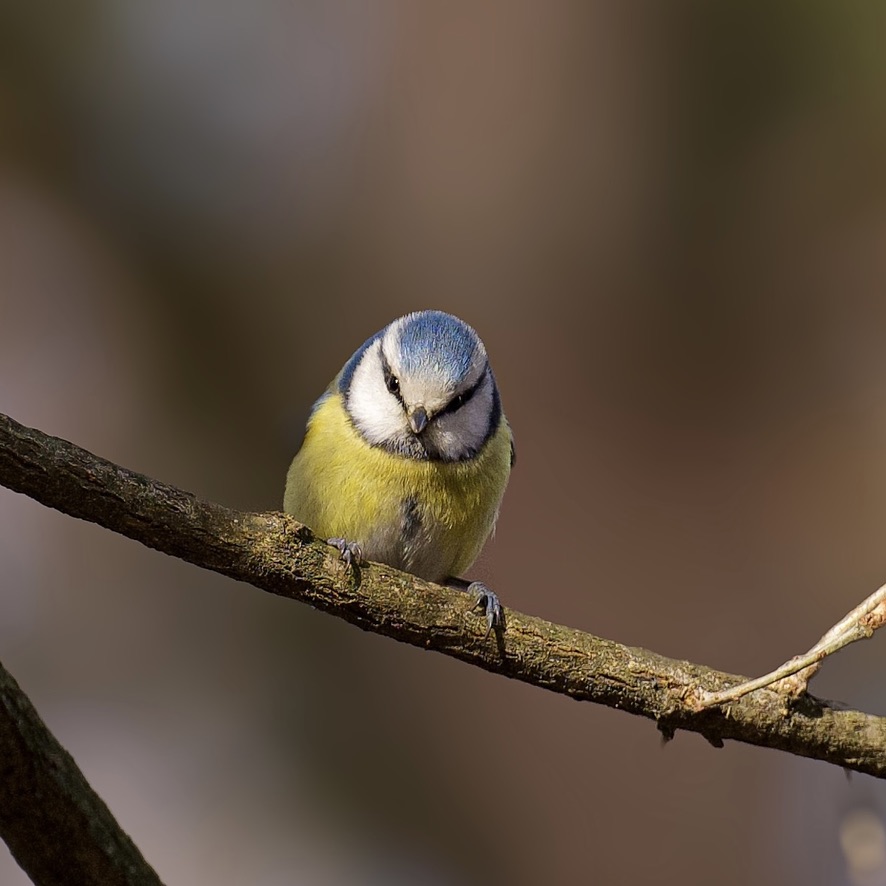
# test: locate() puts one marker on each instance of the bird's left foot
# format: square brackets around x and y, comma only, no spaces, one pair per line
[351,551]
[487,601]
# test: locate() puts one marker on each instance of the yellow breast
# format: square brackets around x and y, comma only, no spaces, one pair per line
[430,518]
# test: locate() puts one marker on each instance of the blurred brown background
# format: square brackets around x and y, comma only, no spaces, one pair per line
[668,223]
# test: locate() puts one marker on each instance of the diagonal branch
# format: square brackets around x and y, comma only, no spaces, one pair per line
[275,553]
[56,827]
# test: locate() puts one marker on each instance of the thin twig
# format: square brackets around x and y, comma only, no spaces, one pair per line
[858,624]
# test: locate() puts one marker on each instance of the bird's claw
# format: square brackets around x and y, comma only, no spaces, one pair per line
[488,602]
[351,551]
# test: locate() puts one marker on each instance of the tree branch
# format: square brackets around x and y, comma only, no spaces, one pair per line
[275,553]
[56,827]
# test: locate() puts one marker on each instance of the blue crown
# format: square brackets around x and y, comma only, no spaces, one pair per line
[432,341]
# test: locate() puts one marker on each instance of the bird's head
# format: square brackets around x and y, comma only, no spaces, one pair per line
[422,388]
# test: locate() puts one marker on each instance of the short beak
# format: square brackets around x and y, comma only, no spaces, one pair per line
[418,419]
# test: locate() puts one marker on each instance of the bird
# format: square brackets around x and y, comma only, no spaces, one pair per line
[407,454]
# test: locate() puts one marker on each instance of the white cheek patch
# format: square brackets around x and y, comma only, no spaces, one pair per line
[373,408]
[461,433]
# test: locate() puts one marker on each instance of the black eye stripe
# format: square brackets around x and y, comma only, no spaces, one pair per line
[464,397]
[392,383]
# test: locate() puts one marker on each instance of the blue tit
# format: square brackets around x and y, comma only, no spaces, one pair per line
[407,453]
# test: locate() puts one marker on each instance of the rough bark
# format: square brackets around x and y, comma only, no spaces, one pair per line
[276,554]
[56,827]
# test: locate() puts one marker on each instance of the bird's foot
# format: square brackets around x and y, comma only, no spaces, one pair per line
[351,551]
[487,601]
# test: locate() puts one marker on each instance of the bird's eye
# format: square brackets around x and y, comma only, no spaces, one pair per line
[392,383]
[458,402]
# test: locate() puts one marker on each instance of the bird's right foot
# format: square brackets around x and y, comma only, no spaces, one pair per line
[351,551]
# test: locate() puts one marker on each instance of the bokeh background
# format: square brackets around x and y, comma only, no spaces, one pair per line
[668,223]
